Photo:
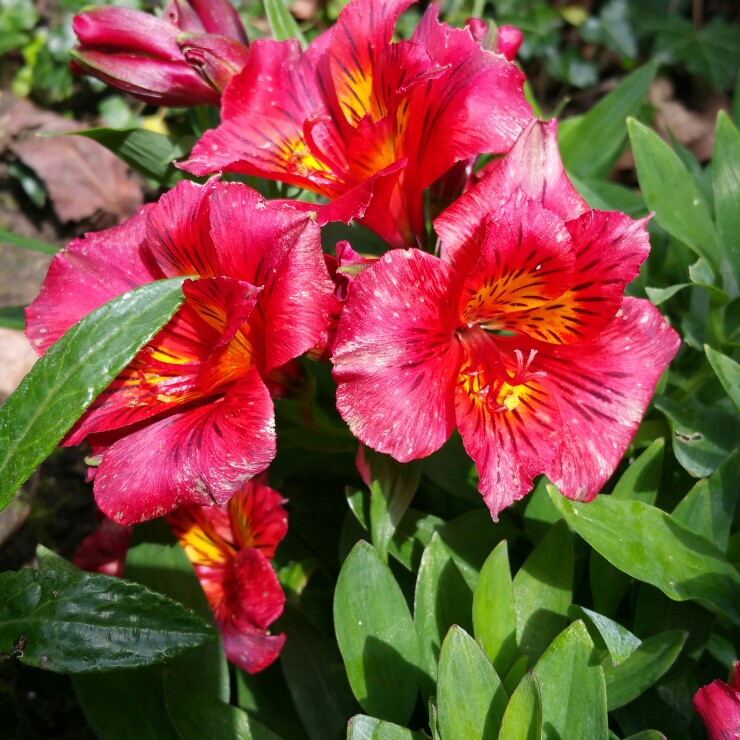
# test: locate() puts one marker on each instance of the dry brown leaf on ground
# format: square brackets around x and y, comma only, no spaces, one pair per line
[81,176]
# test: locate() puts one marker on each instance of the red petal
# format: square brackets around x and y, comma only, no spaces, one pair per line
[200,456]
[603,388]
[526,260]
[277,248]
[396,358]
[178,231]
[85,275]
[533,166]
[511,427]
[257,518]
[719,707]
[104,550]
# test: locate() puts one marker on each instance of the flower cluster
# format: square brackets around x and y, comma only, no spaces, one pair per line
[510,326]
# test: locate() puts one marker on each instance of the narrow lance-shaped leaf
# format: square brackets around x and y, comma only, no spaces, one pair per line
[618,640]
[670,191]
[728,371]
[653,547]
[66,380]
[362,727]
[376,636]
[523,715]
[573,690]
[282,23]
[591,145]
[494,615]
[26,242]
[63,619]
[470,697]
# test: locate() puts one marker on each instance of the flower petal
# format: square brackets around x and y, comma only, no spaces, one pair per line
[511,429]
[277,248]
[533,166]
[603,388]
[396,359]
[88,273]
[257,518]
[200,455]
[719,707]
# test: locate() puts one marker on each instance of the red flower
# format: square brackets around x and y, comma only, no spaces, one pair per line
[365,122]
[231,548]
[719,706]
[520,336]
[187,57]
[191,418]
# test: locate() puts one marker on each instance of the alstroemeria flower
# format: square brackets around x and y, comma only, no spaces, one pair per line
[519,335]
[186,57]
[718,704]
[231,548]
[365,122]
[191,418]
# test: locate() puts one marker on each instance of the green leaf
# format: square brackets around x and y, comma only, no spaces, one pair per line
[156,560]
[494,615]
[313,671]
[196,714]
[148,152]
[642,669]
[442,598]
[25,242]
[618,640]
[376,636]
[728,371]
[641,480]
[647,735]
[470,697]
[69,621]
[726,185]
[12,317]
[609,196]
[66,380]
[660,295]
[523,715]
[392,486]
[543,588]
[282,23]
[653,547]
[569,684]
[591,145]
[362,727]
[671,192]
[703,436]
[709,507]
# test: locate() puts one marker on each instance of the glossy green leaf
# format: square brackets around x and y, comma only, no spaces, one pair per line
[313,671]
[523,716]
[653,547]
[709,507]
[728,371]
[196,714]
[641,480]
[470,697]
[539,513]
[516,673]
[376,636]
[543,588]
[608,585]
[618,640]
[591,146]
[647,735]
[148,152]
[703,436]
[66,380]
[670,191]
[125,705]
[660,295]
[642,669]
[66,620]
[609,196]
[26,242]
[726,185]
[570,683]
[442,598]
[156,560]
[494,615]
[12,317]
[362,727]
[282,23]
[392,486]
